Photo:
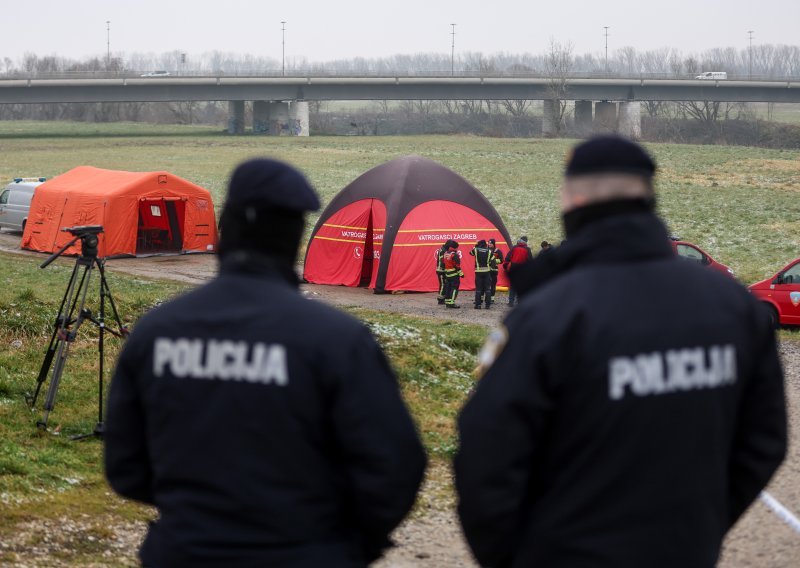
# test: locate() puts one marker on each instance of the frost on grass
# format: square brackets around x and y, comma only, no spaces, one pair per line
[393,332]
[426,360]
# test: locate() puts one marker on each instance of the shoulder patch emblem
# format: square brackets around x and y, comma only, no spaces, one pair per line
[491,349]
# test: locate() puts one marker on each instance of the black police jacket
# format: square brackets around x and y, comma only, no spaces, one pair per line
[268,430]
[633,410]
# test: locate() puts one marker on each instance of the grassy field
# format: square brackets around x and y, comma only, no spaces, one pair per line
[740,204]
[46,476]
[779,112]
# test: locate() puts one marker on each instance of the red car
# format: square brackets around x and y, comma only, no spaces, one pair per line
[781,294]
[694,253]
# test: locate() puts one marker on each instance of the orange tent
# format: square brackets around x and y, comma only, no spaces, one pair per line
[142,213]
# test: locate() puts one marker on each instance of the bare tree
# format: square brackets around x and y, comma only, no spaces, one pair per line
[675,64]
[183,111]
[558,66]
[425,107]
[706,112]
[654,108]
[630,59]
[516,107]
[691,65]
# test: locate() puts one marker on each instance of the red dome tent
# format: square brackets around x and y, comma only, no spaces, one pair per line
[142,213]
[382,230]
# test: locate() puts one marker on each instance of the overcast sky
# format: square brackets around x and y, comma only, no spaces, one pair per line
[322,30]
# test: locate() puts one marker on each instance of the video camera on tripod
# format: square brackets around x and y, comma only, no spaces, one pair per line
[71,315]
[89,242]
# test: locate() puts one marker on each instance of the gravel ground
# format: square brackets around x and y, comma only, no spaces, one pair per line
[431,537]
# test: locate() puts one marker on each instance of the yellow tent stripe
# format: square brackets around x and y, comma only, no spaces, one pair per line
[348,227]
[441,230]
[374,244]
[430,244]
[380,243]
[344,227]
[338,240]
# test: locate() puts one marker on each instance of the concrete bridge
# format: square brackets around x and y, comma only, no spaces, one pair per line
[280,103]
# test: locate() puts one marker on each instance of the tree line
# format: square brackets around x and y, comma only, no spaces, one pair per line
[688,121]
[768,61]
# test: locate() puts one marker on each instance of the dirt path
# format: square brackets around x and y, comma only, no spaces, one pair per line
[199,268]
[432,537]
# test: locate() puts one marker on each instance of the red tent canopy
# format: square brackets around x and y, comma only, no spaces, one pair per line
[383,230]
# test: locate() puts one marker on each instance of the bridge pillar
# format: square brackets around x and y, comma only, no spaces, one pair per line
[549,118]
[298,111]
[279,118]
[583,116]
[605,116]
[235,117]
[630,119]
[261,117]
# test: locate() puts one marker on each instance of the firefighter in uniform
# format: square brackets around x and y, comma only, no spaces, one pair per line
[483,280]
[494,265]
[439,254]
[267,429]
[618,426]
[452,275]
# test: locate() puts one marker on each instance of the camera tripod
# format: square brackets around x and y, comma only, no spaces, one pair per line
[71,315]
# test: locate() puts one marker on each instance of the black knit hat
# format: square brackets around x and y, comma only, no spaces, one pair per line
[265,209]
[609,154]
[264,184]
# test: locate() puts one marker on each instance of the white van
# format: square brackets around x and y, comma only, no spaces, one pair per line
[715,75]
[15,202]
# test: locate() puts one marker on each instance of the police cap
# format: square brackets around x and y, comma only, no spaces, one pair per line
[610,154]
[262,184]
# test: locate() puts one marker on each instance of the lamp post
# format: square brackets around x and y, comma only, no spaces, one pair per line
[606,28]
[453,51]
[108,44]
[283,47]
[750,64]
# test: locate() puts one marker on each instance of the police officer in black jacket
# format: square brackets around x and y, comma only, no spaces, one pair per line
[268,429]
[633,405]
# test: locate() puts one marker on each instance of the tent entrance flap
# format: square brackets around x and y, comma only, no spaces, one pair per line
[346,248]
[367,254]
[160,226]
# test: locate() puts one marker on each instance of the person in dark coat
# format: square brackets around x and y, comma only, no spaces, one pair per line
[631,407]
[519,254]
[494,265]
[266,428]
[483,279]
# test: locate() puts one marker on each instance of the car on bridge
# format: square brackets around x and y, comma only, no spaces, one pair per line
[781,294]
[713,75]
[156,74]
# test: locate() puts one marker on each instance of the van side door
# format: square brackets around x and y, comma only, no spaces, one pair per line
[18,206]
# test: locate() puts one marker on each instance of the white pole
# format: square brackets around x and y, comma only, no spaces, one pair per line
[784,513]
